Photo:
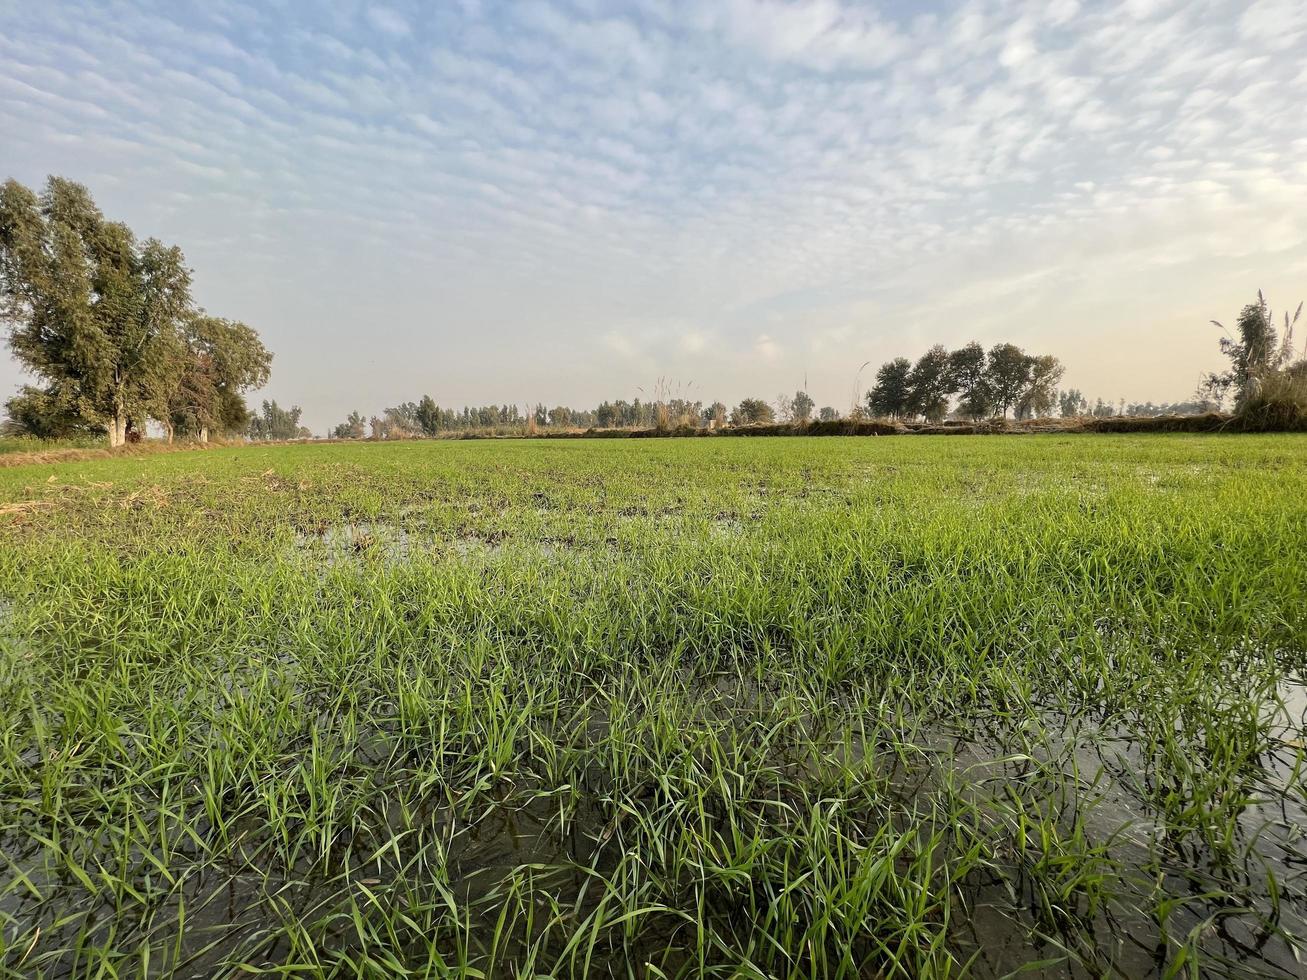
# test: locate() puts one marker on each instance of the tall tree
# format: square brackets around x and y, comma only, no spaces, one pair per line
[1007,375]
[801,406]
[428,415]
[930,384]
[219,361]
[401,421]
[752,411]
[93,313]
[354,427]
[967,374]
[891,396]
[277,423]
[1255,353]
[1039,398]
[1071,403]
[107,323]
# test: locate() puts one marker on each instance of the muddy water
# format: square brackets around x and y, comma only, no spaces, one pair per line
[525,842]
[1242,910]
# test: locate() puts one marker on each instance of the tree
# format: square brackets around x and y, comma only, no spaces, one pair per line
[1007,375]
[801,406]
[967,377]
[1255,355]
[1072,403]
[752,411]
[890,397]
[354,427]
[276,423]
[219,360]
[107,323]
[1040,395]
[93,313]
[40,413]
[427,416]
[828,414]
[401,421]
[1148,409]
[930,384]
[560,416]
[715,415]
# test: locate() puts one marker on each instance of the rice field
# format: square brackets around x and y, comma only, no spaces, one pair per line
[901,707]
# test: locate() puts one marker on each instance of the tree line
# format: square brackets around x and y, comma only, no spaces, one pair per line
[424,418]
[986,384]
[107,325]
[968,383]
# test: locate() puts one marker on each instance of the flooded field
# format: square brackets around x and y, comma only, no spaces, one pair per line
[740,708]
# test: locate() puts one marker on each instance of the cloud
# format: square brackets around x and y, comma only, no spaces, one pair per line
[655,183]
[388,21]
[693,342]
[825,34]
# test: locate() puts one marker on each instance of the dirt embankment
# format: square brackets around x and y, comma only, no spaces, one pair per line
[74,454]
[1212,422]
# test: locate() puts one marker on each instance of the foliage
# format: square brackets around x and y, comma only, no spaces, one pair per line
[715,414]
[752,411]
[801,406]
[931,383]
[277,424]
[891,396]
[354,427]
[219,360]
[1007,376]
[1255,353]
[107,323]
[1266,380]
[967,369]
[1279,401]
[1038,398]
[42,414]
[427,415]
[1196,406]
[1072,403]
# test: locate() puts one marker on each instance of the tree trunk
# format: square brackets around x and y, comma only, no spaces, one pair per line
[118,421]
[204,433]
[117,429]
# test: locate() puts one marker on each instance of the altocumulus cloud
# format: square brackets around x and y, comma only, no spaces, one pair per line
[563,200]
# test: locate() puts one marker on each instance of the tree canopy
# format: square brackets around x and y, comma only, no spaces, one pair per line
[891,396]
[1256,352]
[108,326]
[994,383]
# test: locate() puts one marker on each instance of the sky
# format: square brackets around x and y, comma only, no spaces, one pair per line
[563,201]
